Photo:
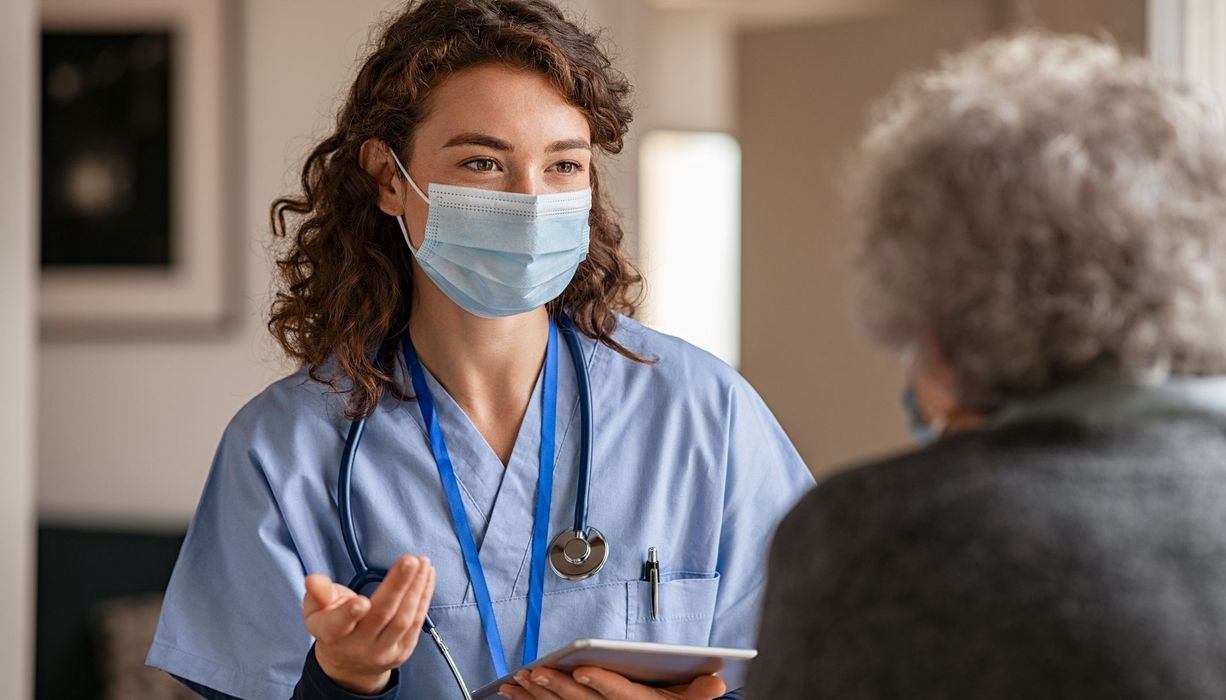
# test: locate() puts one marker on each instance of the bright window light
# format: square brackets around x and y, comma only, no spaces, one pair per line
[1188,37]
[1203,32]
[690,238]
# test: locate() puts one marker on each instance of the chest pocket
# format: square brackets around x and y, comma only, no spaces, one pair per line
[591,611]
[687,609]
[618,610]
[623,611]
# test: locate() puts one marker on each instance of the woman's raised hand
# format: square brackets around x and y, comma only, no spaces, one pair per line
[360,640]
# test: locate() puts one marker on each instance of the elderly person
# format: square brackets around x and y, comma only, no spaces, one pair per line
[1044,242]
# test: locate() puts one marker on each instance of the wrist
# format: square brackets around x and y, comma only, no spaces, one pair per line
[351,680]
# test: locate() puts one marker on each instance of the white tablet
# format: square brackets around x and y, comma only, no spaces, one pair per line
[642,662]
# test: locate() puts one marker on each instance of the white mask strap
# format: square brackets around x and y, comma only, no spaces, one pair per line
[408,177]
[400,219]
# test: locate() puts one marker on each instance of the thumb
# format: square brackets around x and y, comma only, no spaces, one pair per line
[320,593]
[704,687]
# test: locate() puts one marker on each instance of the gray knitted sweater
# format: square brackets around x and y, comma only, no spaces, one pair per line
[1047,558]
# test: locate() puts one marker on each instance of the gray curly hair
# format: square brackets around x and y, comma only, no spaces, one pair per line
[1047,211]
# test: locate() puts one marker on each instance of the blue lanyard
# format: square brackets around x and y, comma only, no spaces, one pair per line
[459,519]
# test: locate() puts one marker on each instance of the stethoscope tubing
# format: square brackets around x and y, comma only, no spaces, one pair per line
[585,409]
[364,575]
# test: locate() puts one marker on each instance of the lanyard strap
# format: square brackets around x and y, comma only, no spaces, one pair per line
[459,519]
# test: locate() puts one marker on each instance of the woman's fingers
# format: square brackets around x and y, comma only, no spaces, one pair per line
[614,686]
[607,684]
[319,593]
[322,601]
[510,690]
[338,621]
[424,600]
[402,622]
[385,601]
[703,688]
[561,685]
[370,634]
[417,616]
[535,691]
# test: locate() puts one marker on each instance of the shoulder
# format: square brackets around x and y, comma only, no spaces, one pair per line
[289,407]
[951,478]
[673,364]
[1009,476]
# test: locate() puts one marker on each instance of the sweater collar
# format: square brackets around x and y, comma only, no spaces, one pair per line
[1102,404]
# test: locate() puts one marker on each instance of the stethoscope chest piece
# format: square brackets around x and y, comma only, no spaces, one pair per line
[575,556]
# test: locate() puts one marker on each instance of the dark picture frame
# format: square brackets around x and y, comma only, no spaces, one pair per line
[136,213]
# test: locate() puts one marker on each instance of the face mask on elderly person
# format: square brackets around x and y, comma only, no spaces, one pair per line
[930,400]
[923,432]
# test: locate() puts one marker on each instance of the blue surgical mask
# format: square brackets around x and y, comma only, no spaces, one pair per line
[921,431]
[500,253]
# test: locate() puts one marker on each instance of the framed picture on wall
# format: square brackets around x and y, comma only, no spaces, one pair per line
[135,213]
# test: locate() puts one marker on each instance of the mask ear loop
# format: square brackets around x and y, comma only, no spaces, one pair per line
[400,219]
[937,424]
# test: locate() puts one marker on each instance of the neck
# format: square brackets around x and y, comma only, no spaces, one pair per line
[489,366]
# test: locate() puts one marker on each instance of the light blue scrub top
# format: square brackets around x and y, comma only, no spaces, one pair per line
[687,458]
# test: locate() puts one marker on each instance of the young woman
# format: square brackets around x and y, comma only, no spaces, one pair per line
[455,291]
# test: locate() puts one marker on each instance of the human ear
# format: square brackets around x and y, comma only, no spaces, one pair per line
[936,389]
[375,158]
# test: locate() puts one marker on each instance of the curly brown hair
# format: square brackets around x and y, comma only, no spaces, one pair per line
[345,273]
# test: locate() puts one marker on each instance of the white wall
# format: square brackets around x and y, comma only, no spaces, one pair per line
[18,137]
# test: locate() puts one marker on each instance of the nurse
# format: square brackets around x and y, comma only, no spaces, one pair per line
[452,275]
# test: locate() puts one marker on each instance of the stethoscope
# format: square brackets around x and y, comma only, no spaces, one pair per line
[575,554]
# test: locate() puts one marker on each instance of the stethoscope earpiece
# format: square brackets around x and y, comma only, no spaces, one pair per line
[576,556]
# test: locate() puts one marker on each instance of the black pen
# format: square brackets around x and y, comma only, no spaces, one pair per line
[653,575]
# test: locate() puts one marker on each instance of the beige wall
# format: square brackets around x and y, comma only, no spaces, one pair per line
[804,96]
[128,426]
[804,93]
[1122,20]
[18,137]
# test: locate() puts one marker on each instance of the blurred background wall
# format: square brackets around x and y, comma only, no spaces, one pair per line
[127,423]
[804,92]
[18,136]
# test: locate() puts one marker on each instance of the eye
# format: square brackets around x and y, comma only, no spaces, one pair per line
[568,167]
[482,165]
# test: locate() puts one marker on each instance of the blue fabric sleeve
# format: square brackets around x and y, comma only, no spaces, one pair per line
[764,479]
[314,685]
[232,617]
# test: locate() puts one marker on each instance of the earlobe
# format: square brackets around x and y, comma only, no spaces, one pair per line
[374,158]
[936,389]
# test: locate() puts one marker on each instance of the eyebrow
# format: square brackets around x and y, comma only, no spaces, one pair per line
[475,139]
[568,145]
[478,139]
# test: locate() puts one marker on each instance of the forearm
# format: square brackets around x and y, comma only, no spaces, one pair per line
[316,685]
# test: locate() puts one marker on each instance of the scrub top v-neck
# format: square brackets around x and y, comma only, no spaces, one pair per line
[687,459]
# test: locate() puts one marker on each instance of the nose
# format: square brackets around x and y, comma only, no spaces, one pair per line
[527,181]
